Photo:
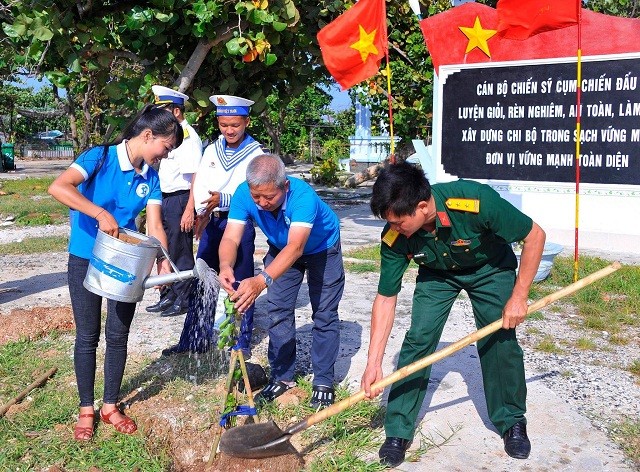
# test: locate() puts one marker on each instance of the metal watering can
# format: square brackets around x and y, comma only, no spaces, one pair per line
[119,267]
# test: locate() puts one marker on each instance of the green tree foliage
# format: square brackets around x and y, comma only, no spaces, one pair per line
[108,54]
[290,121]
[625,8]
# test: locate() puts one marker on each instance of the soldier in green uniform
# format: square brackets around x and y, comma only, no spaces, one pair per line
[459,234]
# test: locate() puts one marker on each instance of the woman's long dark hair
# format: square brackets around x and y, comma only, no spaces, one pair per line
[159,120]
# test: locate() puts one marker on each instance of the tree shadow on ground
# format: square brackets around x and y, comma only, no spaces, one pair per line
[16,289]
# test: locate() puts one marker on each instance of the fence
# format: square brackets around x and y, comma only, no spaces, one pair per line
[46,150]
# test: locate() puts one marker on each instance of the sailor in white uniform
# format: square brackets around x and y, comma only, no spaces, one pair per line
[178,213]
[222,169]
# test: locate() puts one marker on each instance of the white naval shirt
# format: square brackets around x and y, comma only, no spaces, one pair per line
[177,169]
[213,176]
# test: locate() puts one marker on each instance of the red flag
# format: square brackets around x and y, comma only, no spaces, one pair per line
[518,19]
[353,44]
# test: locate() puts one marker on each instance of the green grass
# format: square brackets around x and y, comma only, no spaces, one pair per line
[586,344]
[619,340]
[627,435]
[536,316]
[610,304]
[370,256]
[634,367]
[548,345]
[29,203]
[369,253]
[362,267]
[40,433]
[36,245]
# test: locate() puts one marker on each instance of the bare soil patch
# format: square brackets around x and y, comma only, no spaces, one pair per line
[33,323]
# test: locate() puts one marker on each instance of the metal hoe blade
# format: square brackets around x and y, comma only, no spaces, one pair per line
[256,441]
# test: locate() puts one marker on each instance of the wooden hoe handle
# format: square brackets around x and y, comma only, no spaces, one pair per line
[450,349]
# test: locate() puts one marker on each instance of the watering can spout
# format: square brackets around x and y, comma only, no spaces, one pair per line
[198,271]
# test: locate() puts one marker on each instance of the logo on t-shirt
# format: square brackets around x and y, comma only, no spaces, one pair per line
[142,190]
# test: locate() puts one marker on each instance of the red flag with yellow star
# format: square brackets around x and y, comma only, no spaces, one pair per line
[353,44]
[518,19]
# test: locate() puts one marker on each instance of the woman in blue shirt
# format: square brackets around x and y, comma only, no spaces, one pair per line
[106,188]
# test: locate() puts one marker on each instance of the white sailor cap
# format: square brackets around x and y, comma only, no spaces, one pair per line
[229,105]
[165,95]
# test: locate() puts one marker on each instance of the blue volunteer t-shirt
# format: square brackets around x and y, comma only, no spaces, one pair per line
[301,207]
[115,186]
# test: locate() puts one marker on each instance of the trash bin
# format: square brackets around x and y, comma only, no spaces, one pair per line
[8,162]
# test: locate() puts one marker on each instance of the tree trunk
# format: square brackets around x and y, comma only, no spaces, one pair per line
[367,174]
[69,108]
[86,112]
[403,151]
[199,54]
[274,132]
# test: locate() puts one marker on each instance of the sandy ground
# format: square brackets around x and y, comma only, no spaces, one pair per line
[563,437]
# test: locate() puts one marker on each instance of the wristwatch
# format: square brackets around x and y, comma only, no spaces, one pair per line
[267,278]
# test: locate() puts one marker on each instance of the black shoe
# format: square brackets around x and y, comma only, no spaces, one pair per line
[516,441]
[162,305]
[393,450]
[322,396]
[273,390]
[174,310]
[173,350]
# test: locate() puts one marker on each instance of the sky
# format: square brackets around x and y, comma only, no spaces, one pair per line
[341,100]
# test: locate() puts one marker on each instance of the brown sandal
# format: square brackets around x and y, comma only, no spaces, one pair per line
[125,425]
[84,433]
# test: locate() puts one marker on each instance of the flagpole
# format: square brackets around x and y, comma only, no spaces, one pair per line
[578,126]
[392,157]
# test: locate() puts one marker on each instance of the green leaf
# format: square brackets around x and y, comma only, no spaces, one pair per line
[42,33]
[113,90]
[75,66]
[290,10]
[163,17]
[158,39]
[279,26]
[236,45]
[84,37]
[15,30]
[270,59]
[58,79]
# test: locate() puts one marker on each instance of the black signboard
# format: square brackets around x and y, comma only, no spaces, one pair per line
[518,122]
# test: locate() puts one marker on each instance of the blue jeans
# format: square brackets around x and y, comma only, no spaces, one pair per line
[87,314]
[325,276]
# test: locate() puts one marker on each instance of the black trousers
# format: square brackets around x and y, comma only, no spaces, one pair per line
[180,243]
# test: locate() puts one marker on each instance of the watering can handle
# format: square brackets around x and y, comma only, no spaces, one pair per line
[164,252]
